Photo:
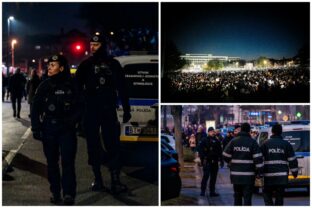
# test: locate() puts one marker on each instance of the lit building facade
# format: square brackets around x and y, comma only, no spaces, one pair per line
[201,59]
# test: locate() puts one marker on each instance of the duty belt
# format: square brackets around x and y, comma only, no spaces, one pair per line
[53,120]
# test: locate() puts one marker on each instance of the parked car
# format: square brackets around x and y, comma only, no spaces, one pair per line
[169,139]
[170,178]
[167,148]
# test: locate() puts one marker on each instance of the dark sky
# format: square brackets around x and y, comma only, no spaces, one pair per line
[41,18]
[247,30]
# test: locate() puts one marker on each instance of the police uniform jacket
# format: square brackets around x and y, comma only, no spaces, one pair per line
[279,157]
[17,84]
[210,149]
[56,105]
[245,159]
[102,80]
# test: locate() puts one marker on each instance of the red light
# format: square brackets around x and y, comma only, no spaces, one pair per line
[77,47]
[174,169]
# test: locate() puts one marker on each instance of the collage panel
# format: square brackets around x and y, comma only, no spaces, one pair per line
[80,104]
[242,52]
[225,155]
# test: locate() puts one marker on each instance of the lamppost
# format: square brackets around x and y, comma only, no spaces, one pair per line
[11,18]
[14,41]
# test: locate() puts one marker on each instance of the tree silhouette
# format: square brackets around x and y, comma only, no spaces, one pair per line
[171,57]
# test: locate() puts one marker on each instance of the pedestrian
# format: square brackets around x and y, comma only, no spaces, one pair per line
[210,153]
[279,158]
[227,139]
[237,129]
[219,135]
[16,87]
[56,102]
[102,81]
[246,163]
[192,143]
[4,86]
[31,87]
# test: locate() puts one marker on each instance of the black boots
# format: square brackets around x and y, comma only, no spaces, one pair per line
[97,185]
[116,186]
[69,200]
[56,199]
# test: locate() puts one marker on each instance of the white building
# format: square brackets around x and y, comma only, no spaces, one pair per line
[201,59]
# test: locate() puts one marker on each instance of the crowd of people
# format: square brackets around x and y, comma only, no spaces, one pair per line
[286,84]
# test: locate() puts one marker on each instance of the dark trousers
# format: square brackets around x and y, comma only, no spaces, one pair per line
[64,145]
[278,190]
[210,170]
[242,191]
[17,99]
[104,121]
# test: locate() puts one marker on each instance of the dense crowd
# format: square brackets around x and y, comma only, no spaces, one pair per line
[287,84]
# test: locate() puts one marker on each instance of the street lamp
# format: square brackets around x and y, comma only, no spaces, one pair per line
[11,18]
[14,41]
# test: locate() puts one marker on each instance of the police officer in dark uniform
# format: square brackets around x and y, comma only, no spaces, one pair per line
[102,80]
[210,153]
[53,117]
[246,162]
[279,157]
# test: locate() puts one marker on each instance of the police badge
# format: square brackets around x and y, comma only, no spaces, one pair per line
[96,69]
[51,107]
[102,80]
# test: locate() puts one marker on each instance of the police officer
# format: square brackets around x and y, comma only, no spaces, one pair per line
[56,104]
[102,80]
[246,162]
[210,153]
[279,157]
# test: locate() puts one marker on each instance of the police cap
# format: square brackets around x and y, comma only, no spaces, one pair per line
[210,129]
[245,127]
[58,58]
[97,38]
[277,129]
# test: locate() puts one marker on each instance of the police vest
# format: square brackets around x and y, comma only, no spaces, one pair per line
[245,159]
[59,100]
[279,157]
[104,78]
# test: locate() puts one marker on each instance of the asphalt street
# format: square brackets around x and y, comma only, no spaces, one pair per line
[191,176]
[26,182]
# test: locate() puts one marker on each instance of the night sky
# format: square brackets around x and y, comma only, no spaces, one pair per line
[41,18]
[247,30]
[49,18]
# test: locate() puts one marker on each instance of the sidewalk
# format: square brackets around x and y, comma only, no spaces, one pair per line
[27,184]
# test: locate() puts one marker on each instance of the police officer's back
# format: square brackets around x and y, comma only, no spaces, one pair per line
[279,157]
[246,162]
